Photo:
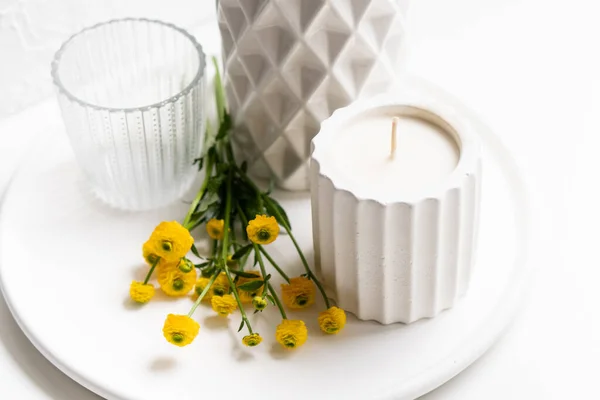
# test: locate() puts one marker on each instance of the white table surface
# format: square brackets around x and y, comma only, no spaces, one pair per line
[532,70]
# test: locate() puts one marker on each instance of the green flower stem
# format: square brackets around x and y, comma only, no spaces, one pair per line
[224,251]
[257,250]
[312,276]
[277,301]
[220,93]
[280,218]
[274,264]
[206,289]
[192,209]
[229,152]
[269,286]
[151,270]
[233,237]
[215,249]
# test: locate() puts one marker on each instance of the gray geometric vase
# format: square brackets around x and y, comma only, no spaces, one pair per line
[290,63]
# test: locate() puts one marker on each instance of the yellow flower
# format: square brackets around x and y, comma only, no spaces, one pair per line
[246,297]
[259,303]
[140,292]
[252,340]
[215,228]
[169,241]
[263,229]
[299,293]
[175,282]
[224,305]
[221,285]
[180,330]
[332,321]
[148,253]
[291,333]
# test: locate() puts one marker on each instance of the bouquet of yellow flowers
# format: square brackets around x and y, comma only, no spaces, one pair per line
[229,203]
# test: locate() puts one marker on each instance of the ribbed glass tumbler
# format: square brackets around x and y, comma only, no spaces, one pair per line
[131,92]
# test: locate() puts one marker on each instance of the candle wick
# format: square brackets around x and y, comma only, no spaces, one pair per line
[395,121]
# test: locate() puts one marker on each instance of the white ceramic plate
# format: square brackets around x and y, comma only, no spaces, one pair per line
[66,262]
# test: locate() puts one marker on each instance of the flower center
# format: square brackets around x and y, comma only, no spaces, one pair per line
[199,290]
[290,344]
[167,246]
[177,337]
[216,232]
[301,300]
[263,235]
[178,284]
[219,291]
[152,258]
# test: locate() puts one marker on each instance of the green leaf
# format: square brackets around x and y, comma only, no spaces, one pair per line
[208,200]
[267,278]
[200,162]
[271,187]
[272,202]
[215,183]
[241,326]
[243,274]
[195,251]
[271,299]
[251,286]
[225,126]
[202,265]
[241,252]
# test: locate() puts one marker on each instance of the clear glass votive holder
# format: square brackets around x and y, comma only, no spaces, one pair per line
[131,93]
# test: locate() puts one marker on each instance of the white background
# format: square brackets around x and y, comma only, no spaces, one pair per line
[531,68]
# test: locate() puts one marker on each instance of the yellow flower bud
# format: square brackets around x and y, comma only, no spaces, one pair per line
[291,333]
[224,305]
[180,330]
[169,241]
[299,293]
[215,228]
[263,229]
[186,265]
[332,321]
[140,292]
[259,303]
[252,340]
[173,281]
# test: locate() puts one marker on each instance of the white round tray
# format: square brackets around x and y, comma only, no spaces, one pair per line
[66,262]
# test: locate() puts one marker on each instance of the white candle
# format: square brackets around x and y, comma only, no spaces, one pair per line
[425,155]
[394,231]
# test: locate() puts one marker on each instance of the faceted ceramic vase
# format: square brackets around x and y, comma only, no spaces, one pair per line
[290,63]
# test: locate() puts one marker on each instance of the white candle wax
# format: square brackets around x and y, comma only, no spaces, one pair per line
[426,154]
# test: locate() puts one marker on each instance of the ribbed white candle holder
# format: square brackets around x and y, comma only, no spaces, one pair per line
[396,259]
